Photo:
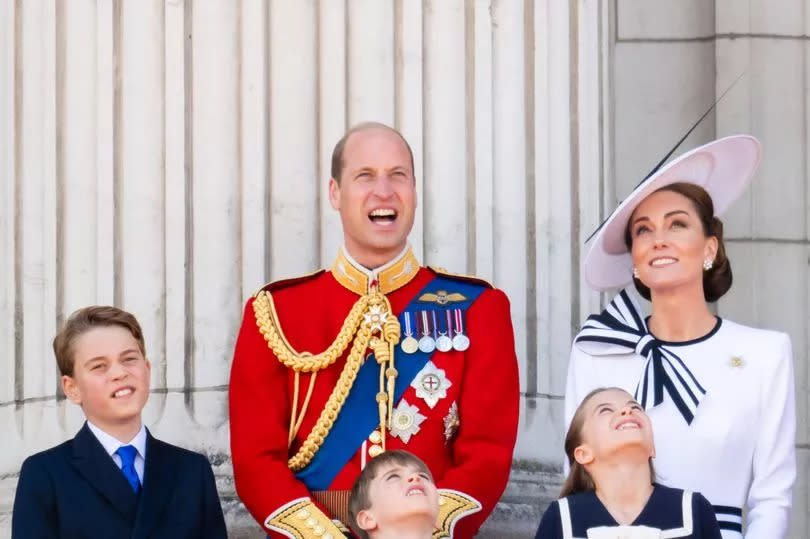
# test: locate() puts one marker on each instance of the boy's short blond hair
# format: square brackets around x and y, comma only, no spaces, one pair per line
[360,499]
[85,319]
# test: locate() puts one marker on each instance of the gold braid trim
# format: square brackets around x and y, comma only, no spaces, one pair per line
[453,506]
[267,320]
[302,519]
[370,318]
[333,405]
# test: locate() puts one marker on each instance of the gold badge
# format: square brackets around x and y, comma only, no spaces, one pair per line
[451,422]
[442,297]
[737,362]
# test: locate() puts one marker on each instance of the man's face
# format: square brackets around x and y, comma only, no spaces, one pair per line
[376,196]
[401,494]
[110,378]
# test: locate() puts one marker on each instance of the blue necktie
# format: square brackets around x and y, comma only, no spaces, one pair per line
[127,454]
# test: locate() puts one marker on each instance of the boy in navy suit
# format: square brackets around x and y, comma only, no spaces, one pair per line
[114,479]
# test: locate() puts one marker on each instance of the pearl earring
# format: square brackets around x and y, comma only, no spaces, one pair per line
[635,272]
[707,264]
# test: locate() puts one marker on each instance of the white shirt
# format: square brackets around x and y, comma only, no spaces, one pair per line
[740,447]
[112,444]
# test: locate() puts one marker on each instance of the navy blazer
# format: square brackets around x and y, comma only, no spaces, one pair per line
[75,490]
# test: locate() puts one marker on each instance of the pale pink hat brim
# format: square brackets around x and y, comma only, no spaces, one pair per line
[724,168]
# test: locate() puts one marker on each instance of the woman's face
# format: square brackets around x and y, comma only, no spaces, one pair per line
[669,244]
[613,421]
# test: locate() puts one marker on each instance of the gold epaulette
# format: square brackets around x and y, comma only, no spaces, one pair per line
[460,277]
[303,520]
[272,286]
[453,505]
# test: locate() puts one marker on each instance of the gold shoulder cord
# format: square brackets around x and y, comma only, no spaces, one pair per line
[369,324]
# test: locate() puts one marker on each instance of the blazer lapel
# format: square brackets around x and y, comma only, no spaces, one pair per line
[98,468]
[158,485]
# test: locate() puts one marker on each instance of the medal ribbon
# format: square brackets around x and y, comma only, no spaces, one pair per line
[407,318]
[425,325]
[459,321]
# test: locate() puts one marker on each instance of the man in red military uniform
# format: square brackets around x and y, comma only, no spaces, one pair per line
[376,353]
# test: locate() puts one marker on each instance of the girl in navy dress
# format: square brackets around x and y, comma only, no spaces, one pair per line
[610,491]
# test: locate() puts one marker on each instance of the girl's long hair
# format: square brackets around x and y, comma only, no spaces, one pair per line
[579,480]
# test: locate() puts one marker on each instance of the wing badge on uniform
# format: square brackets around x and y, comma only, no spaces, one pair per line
[442,297]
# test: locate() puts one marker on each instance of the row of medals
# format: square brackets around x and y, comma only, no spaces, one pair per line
[437,330]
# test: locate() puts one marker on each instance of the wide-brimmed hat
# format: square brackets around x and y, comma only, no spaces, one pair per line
[723,168]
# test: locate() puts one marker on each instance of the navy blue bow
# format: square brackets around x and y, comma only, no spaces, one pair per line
[620,329]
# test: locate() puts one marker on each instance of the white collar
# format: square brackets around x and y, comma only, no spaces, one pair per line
[111,444]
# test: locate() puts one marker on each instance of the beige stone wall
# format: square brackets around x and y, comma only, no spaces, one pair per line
[171,156]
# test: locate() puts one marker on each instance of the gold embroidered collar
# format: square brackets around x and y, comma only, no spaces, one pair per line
[388,277]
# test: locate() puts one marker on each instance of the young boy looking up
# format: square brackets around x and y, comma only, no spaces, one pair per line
[394,496]
[113,479]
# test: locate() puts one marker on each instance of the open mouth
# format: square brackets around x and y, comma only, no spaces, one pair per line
[662,261]
[628,424]
[383,216]
[415,491]
[123,392]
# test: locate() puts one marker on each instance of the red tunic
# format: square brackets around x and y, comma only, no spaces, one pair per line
[484,378]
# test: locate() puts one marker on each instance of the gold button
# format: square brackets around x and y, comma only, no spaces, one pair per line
[303,513]
[318,530]
[375,450]
[375,437]
[311,522]
[328,535]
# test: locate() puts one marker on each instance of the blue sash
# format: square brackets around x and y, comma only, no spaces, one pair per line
[360,416]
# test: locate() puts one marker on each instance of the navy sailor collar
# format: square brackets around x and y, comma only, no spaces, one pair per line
[584,511]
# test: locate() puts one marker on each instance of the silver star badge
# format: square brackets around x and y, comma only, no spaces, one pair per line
[405,421]
[431,384]
[375,318]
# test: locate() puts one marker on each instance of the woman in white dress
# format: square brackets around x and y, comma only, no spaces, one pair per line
[720,395]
